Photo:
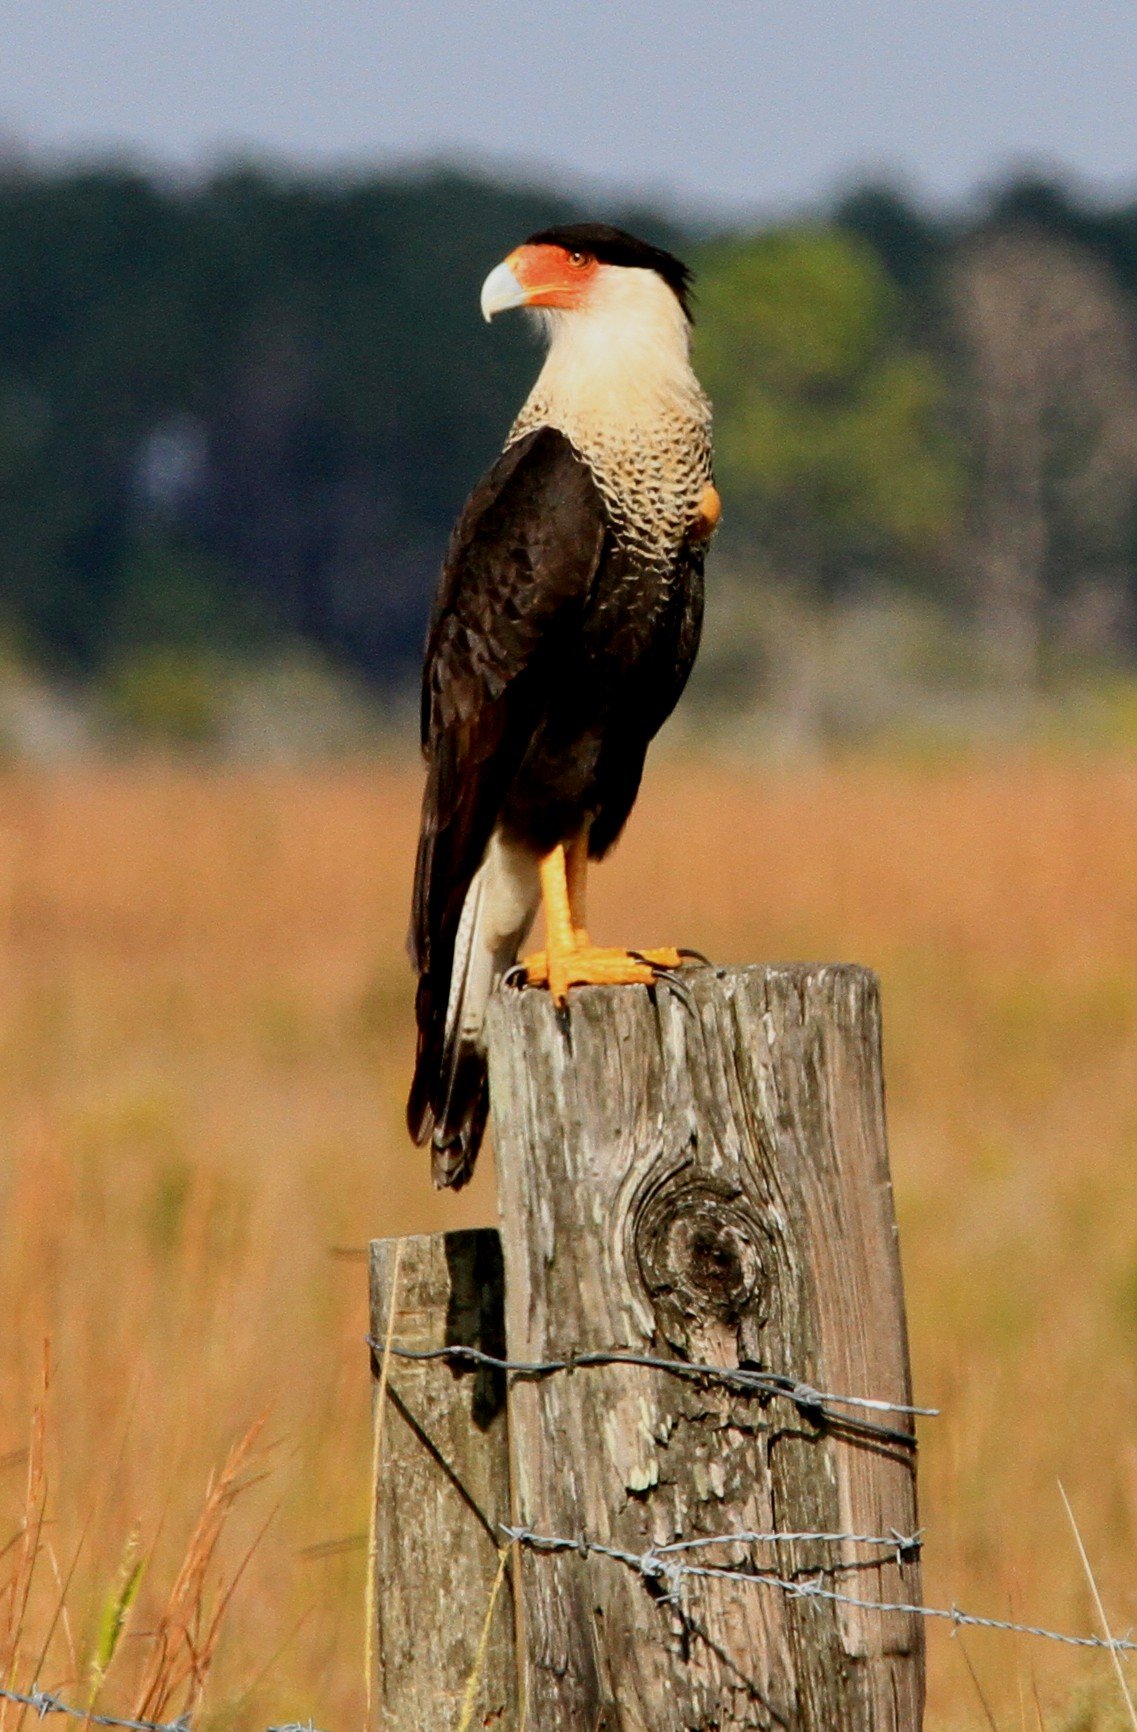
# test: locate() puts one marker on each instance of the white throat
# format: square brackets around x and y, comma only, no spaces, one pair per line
[623,357]
[617,382]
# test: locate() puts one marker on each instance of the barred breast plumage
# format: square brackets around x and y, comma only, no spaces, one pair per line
[650,474]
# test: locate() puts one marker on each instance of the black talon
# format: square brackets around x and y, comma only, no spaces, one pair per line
[672,979]
[564,1020]
[517,976]
[696,956]
[680,992]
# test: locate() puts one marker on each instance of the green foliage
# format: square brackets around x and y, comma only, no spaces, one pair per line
[832,440]
[170,695]
[909,246]
[170,594]
[245,413]
[318,343]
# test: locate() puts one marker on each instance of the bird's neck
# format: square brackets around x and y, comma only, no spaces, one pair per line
[621,389]
[620,368]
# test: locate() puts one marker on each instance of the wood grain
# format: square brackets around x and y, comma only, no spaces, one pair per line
[706,1180]
[442,1490]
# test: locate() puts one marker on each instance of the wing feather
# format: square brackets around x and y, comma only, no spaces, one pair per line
[517,574]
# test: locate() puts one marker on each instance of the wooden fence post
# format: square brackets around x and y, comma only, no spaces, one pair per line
[706,1178]
[442,1490]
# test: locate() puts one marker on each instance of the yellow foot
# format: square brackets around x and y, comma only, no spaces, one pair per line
[593,965]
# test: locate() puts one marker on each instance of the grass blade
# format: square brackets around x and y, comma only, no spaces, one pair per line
[370,1610]
[466,1717]
[1114,1655]
[115,1614]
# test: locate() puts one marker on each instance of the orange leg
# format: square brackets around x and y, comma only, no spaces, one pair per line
[576,875]
[569,959]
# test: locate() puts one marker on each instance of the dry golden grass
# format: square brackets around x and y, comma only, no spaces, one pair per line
[204,1045]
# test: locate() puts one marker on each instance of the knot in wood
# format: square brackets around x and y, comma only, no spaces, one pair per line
[698,1246]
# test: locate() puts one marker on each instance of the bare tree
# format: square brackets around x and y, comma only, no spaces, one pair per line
[1054,394]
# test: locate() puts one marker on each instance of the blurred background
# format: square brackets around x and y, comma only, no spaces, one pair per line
[244,389]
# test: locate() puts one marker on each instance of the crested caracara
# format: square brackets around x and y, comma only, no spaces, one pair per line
[565,625]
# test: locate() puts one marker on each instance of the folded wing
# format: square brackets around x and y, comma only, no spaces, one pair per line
[516,579]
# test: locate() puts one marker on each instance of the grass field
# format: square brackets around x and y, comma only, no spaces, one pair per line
[204,1046]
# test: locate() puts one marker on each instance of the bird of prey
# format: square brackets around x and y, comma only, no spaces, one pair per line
[565,625]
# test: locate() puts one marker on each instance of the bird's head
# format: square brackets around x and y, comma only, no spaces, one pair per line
[586,268]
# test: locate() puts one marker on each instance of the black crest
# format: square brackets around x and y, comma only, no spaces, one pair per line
[617,247]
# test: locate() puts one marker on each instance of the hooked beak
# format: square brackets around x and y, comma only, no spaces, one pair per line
[501,291]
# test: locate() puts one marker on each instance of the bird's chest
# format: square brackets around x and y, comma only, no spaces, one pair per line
[650,470]
[652,492]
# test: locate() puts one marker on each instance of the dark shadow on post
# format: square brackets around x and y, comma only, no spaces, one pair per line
[475,1316]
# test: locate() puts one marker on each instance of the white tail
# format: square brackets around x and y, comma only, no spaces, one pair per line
[498,911]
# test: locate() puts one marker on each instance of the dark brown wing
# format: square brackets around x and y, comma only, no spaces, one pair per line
[518,571]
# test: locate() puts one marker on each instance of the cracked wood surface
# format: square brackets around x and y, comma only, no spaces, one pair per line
[708,1181]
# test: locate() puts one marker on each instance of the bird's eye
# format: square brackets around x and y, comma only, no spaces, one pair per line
[578,260]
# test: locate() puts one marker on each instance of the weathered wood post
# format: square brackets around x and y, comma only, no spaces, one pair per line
[701,1180]
[708,1181]
[442,1491]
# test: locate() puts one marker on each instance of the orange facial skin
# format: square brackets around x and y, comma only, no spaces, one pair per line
[552,276]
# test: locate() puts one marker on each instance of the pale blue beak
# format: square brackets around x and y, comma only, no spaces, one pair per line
[501,291]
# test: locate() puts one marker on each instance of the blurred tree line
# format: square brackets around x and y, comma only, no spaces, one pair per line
[246,412]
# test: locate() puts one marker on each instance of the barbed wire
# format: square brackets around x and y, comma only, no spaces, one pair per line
[663,1569]
[44,1702]
[660,1569]
[743,1379]
[904,1545]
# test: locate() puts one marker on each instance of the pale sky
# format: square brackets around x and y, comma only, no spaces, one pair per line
[717,105]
